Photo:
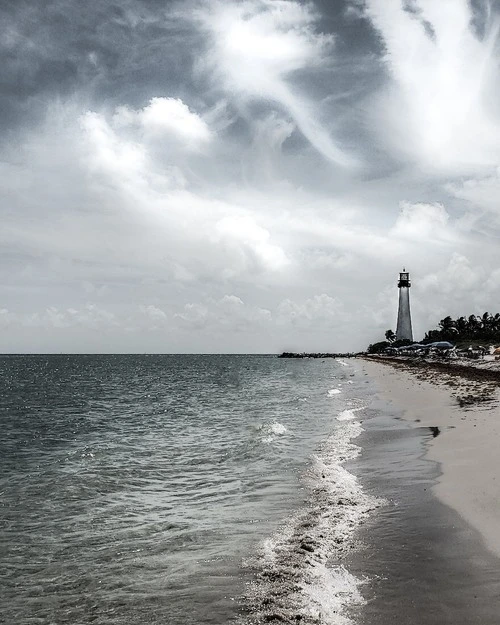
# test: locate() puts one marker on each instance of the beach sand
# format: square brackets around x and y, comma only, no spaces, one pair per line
[466,443]
[430,555]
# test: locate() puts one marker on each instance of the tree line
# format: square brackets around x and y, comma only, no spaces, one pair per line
[484,327]
[477,328]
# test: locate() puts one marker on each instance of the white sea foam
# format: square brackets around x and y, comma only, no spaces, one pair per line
[325,606]
[348,414]
[272,430]
[334,391]
[277,428]
[295,578]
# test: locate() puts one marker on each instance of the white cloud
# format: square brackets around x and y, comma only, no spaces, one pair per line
[122,160]
[250,244]
[194,315]
[228,312]
[483,192]
[90,316]
[233,310]
[462,286]
[153,314]
[320,309]
[257,45]
[438,108]
[421,222]
[268,136]
[137,215]
[166,117]
[458,277]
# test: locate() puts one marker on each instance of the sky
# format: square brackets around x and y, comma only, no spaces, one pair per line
[244,176]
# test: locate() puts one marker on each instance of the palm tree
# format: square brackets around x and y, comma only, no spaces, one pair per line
[448,329]
[473,326]
[486,324]
[390,336]
[496,324]
[461,327]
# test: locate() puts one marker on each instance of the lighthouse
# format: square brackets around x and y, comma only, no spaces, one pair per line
[403,329]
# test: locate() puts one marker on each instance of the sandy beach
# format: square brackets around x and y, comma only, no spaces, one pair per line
[464,416]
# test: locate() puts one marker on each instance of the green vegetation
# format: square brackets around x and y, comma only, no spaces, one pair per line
[463,331]
[472,329]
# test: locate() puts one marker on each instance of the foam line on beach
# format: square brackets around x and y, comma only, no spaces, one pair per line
[348,414]
[294,580]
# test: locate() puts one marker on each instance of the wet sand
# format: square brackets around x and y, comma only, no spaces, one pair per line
[430,555]
[465,415]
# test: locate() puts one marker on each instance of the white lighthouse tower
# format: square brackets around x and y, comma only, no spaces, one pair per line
[403,329]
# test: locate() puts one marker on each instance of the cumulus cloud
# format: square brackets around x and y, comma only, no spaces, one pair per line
[166,117]
[154,314]
[228,311]
[421,222]
[123,161]
[91,316]
[139,211]
[250,242]
[320,309]
[458,276]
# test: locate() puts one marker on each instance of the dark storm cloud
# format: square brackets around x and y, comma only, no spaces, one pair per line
[354,37]
[484,12]
[113,51]
[125,52]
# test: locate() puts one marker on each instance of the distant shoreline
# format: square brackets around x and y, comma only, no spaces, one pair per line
[477,370]
[320,354]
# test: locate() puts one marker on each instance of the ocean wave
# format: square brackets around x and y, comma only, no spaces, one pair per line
[272,430]
[334,391]
[348,414]
[297,572]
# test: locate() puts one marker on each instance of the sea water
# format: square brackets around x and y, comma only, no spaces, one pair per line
[141,490]
[179,489]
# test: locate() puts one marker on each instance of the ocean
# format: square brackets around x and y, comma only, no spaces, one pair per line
[207,489]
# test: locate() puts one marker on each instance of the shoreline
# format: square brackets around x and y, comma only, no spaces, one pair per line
[478,370]
[464,415]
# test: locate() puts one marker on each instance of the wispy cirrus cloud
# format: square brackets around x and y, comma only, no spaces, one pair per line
[256,46]
[438,107]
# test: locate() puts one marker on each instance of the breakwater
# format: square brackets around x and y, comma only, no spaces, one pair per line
[319,355]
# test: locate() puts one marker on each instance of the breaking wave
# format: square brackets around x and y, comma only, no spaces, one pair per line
[298,574]
[334,391]
[271,430]
[348,414]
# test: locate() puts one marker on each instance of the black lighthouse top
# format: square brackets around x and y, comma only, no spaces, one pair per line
[404,279]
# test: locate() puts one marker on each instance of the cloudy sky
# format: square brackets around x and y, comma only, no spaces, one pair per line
[244,176]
